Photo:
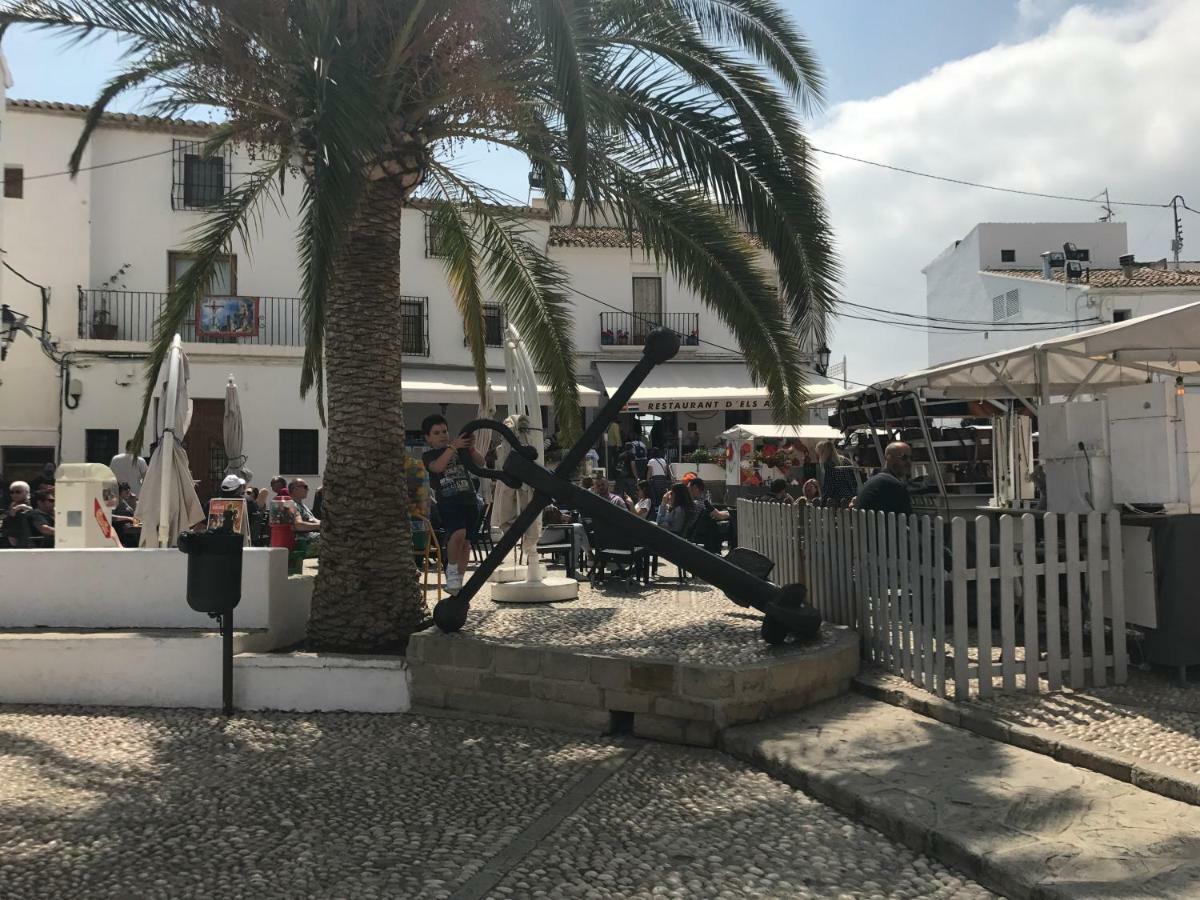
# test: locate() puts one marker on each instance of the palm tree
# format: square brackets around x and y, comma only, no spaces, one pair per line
[674,119]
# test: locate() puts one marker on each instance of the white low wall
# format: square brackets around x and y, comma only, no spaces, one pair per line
[112,668]
[308,682]
[131,589]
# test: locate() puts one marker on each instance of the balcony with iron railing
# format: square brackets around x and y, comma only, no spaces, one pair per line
[619,329]
[111,315]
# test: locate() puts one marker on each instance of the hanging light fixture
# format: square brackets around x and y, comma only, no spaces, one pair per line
[10,323]
[822,363]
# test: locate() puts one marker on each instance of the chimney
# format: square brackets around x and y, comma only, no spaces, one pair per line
[1127,266]
[1046,273]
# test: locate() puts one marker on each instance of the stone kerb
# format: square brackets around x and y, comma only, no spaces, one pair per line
[652,697]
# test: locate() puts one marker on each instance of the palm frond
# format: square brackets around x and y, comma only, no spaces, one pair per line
[765,31]
[560,23]
[461,260]
[702,248]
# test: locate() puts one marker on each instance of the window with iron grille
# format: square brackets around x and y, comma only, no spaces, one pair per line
[414,326]
[1085,255]
[199,180]
[433,238]
[493,326]
[1008,256]
[298,451]
[100,445]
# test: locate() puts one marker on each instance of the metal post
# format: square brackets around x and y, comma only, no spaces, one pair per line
[227,662]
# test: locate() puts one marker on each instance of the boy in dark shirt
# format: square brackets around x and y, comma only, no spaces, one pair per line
[455,492]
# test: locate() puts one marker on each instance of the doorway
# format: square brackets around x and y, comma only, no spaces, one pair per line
[205,444]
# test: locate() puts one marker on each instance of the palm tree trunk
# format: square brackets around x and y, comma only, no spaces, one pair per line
[367,596]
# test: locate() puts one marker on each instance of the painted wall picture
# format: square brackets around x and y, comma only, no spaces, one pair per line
[227,317]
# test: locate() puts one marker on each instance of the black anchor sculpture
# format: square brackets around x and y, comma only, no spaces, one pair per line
[784,608]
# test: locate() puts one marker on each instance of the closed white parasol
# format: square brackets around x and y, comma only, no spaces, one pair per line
[168,503]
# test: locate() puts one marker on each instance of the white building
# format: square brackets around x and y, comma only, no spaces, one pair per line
[1013,274]
[110,242]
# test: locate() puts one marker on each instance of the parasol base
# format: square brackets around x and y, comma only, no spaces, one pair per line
[549,590]
[505,574]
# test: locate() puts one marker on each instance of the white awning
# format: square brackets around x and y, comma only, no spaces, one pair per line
[694,386]
[458,386]
[782,433]
[1165,343]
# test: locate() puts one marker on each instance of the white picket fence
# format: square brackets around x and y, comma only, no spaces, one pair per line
[774,530]
[912,598]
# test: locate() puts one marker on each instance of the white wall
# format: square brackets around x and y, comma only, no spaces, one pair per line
[957,288]
[105,588]
[1104,241]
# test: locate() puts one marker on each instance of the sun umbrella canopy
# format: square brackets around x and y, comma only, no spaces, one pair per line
[232,428]
[168,503]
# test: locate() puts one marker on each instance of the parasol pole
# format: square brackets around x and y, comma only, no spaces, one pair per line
[168,447]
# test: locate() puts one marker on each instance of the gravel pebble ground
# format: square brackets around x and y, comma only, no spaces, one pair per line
[1149,717]
[177,804]
[693,623]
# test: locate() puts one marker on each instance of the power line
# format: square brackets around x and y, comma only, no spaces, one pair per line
[922,326]
[977,184]
[986,325]
[105,165]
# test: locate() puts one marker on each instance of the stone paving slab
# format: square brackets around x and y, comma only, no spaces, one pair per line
[1023,824]
[180,804]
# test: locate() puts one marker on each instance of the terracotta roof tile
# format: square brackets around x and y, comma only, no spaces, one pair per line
[592,236]
[1142,277]
[132,120]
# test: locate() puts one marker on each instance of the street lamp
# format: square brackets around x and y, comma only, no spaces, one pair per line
[822,364]
[10,323]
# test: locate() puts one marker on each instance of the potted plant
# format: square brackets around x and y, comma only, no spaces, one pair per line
[102,328]
[693,339]
[606,336]
[622,336]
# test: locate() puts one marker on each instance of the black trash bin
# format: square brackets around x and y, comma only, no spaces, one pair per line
[214,586]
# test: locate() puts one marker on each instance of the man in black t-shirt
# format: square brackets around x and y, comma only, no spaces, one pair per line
[41,520]
[457,505]
[886,491]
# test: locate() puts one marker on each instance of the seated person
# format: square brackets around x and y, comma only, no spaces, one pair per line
[41,520]
[677,512]
[600,488]
[705,531]
[779,491]
[122,514]
[417,480]
[308,526]
[15,529]
[644,504]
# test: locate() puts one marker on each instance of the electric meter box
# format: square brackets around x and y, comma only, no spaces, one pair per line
[1073,444]
[85,495]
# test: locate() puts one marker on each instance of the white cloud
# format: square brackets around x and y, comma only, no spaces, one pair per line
[1100,99]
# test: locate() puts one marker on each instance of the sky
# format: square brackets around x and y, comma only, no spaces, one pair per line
[1042,95]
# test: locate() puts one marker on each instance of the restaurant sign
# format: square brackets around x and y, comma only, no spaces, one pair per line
[685,405]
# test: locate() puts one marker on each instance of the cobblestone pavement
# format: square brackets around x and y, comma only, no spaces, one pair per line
[694,623]
[178,804]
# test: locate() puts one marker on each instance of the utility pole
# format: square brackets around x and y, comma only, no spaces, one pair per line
[1177,241]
